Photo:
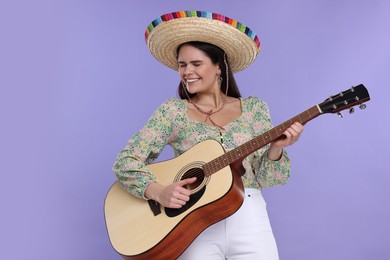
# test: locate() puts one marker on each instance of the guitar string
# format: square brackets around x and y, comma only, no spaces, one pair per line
[196,173]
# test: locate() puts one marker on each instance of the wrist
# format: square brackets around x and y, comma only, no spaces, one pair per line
[152,191]
[274,153]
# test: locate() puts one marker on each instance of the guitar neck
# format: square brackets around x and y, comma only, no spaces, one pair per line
[239,153]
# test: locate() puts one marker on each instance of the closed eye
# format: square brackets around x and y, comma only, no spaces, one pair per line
[195,63]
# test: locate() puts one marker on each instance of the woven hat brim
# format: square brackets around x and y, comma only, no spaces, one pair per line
[164,39]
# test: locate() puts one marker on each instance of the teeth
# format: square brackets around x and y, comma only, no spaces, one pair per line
[191,80]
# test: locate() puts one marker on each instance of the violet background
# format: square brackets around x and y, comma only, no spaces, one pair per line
[77,81]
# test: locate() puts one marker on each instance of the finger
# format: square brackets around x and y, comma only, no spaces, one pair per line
[287,134]
[175,202]
[293,133]
[187,181]
[182,195]
[298,127]
[180,202]
[184,198]
[175,205]
[291,136]
[295,130]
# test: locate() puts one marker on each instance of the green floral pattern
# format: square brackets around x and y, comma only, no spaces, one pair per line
[170,125]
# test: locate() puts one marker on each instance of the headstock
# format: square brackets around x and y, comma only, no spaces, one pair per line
[346,99]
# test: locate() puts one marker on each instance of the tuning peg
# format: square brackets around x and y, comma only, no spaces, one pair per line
[340,115]
[362,106]
[351,110]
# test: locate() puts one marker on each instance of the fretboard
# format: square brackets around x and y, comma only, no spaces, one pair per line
[256,143]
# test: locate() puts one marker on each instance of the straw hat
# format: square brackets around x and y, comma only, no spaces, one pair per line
[167,32]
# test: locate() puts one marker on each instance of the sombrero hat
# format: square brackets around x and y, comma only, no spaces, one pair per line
[167,32]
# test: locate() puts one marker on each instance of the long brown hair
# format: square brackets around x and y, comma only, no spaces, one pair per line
[217,56]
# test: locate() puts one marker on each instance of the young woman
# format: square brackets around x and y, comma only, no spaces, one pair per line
[206,49]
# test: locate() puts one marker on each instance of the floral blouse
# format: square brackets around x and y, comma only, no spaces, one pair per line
[171,125]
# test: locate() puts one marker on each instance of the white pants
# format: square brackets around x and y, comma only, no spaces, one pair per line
[247,234]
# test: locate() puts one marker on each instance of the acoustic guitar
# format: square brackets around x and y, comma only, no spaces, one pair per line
[141,229]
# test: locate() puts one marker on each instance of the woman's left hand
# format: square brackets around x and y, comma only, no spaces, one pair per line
[291,135]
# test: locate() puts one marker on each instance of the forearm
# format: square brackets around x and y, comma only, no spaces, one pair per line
[274,152]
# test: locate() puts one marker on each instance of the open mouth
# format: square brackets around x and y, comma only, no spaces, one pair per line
[191,80]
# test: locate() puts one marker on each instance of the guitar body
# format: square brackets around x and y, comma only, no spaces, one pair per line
[136,233]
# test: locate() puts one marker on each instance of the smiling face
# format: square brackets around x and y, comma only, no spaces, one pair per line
[197,71]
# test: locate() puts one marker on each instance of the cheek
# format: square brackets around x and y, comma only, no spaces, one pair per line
[211,77]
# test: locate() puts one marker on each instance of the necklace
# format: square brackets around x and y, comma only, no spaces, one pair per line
[209,113]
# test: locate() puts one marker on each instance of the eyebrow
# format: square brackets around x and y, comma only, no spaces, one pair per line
[193,61]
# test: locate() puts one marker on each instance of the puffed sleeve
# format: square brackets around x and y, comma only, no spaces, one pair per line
[142,149]
[268,172]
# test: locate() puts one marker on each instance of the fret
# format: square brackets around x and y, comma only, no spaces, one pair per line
[254,144]
[229,156]
[302,118]
[261,141]
[212,168]
[206,170]
[244,148]
[248,148]
[238,154]
[280,129]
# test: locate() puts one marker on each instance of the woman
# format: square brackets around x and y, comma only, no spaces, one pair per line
[206,49]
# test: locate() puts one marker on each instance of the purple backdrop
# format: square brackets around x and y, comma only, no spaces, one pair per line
[77,81]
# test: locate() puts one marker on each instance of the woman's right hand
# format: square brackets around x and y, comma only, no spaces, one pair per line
[171,196]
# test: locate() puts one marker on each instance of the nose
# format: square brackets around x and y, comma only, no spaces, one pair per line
[187,70]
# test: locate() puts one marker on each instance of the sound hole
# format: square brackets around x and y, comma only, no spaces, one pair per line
[194,172]
[197,189]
